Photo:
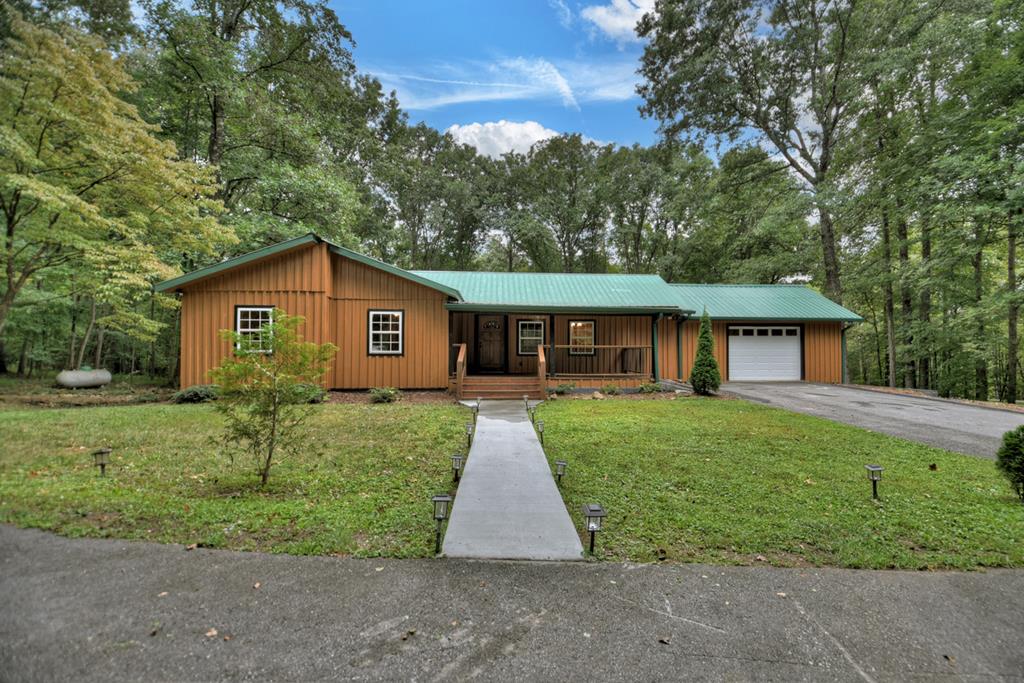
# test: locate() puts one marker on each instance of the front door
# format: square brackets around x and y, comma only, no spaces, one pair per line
[490,341]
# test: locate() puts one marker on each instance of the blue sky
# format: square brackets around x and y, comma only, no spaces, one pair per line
[507,73]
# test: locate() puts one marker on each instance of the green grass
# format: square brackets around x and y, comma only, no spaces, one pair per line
[707,480]
[362,487]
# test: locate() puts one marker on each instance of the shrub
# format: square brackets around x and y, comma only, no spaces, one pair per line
[200,393]
[650,388]
[385,395]
[610,389]
[565,388]
[1010,459]
[314,392]
[265,393]
[705,377]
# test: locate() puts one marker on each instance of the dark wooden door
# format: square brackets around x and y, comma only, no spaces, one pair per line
[490,335]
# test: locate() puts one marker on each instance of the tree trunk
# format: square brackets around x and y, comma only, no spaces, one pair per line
[98,356]
[906,305]
[23,358]
[3,357]
[85,337]
[980,363]
[833,284]
[890,323]
[925,307]
[1012,341]
[73,341]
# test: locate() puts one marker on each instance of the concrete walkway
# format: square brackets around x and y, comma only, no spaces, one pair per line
[508,506]
[101,610]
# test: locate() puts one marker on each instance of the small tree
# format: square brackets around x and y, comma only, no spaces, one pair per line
[266,388]
[705,377]
[1010,459]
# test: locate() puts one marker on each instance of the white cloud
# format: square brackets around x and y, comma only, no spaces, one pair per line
[520,78]
[617,20]
[563,12]
[496,138]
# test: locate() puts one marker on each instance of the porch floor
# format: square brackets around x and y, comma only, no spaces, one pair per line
[508,506]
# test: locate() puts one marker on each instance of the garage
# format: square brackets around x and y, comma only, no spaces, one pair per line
[765,353]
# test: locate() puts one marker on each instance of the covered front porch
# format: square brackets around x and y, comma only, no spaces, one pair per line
[514,352]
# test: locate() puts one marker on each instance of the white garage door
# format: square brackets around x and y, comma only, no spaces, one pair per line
[764,353]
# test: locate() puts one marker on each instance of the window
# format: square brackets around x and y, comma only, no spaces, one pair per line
[386,333]
[581,337]
[776,332]
[762,332]
[791,332]
[249,322]
[734,332]
[531,335]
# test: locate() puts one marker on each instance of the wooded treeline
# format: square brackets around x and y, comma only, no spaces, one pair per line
[870,149]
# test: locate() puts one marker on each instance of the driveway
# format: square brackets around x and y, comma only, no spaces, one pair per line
[100,610]
[946,424]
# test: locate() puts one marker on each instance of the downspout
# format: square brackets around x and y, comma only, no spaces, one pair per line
[654,346]
[845,371]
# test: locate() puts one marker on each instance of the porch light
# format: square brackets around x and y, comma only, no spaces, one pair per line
[594,514]
[101,458]
[875,475]
[469,435]
[560,466]
[540,430]
[442,502]
[457,461]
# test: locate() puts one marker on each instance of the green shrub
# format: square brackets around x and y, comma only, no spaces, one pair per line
[385,395]
[705,377]
[565,388]
[1010,459]
[314,392]
[610,389]
[200,393]
[650,388]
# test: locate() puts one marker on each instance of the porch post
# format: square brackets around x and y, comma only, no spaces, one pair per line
[654,347]
[551,331]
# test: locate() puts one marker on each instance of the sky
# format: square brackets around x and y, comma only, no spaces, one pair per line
[503,74]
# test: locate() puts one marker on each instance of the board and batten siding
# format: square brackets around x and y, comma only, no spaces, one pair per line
[357,289]
[822,341]
[295,282]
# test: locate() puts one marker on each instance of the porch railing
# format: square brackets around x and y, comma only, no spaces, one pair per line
[542,371]
[601,359]
[460,370]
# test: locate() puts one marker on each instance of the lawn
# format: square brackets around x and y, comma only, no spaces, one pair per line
[710,480]
[362,487]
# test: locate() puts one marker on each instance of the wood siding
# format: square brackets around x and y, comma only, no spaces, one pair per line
[822,348]
[295,282]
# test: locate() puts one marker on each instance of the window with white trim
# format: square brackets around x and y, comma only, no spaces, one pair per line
[250,322]
[581,337]
[386,333]
[531,335]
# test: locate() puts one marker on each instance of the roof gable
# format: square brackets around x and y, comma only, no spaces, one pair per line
[762,302]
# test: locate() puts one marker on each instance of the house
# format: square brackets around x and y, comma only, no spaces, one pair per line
[502,334]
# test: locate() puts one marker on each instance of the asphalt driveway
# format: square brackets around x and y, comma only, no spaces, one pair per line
[946,424]
[99,610]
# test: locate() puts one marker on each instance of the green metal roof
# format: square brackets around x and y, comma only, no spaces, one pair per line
[558,292]
[762,302]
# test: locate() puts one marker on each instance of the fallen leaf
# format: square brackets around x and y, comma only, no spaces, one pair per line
[211,633]
[256,585]
[227,637]
[949,658]
[379,569]
[781,595]
[761,558]
[156,629]
[162,594]
[191,546]
[664,641]
[408,634]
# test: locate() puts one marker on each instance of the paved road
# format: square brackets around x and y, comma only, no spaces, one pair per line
[96,610]
[946,424]
[508,506]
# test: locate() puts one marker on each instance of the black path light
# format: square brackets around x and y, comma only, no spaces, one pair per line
[101,458]
[469,435]
[457,461]
[875,475]
[560,466]
[533,413]
[442,504]
[526,401]
[595,514]
[540,430]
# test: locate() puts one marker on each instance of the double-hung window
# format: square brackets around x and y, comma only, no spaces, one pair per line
[387,333]
[249,323]
[581,337]
[531,335]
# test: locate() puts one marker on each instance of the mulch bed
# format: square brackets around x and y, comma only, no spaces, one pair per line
[437,397]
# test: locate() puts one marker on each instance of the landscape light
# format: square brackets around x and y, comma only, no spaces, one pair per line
[533,413]
[469,435]
[526,401]
[100,458]
[476,408]
[560,466]
[457,460]
[875,475]
[442,502]
[540,430]
[594,514]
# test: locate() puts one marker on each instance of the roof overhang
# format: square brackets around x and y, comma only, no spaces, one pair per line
[393,270]
[470,307]
[782,319]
